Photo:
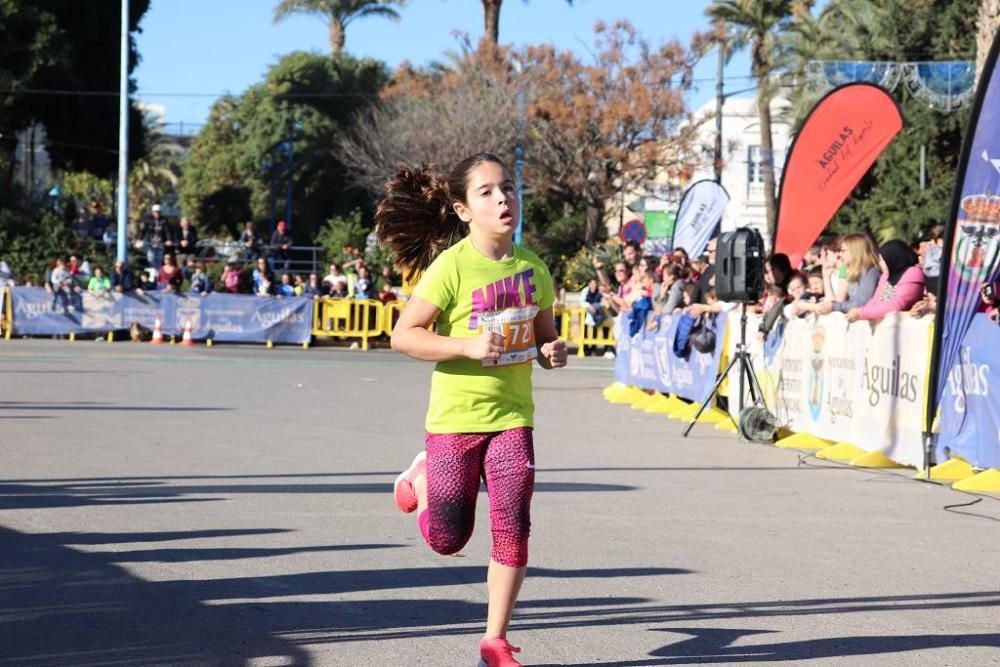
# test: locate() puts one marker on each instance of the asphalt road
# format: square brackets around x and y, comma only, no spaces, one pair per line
[232,506]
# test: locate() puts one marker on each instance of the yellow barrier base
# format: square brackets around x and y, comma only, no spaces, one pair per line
[802,441]
[988,481]
[684,412]
[875,459]
[711,416]
[649,400]
[628,397]
[842,451]
[952,470]
[659,404]
[727,425]
[613,388]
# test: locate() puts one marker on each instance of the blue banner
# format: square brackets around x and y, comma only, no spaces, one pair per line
[970,410]
[221,317]
[972,237]
[647,360]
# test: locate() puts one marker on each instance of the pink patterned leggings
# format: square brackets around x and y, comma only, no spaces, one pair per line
[455,464]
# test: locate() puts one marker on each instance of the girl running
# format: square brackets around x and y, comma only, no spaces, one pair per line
[492,306]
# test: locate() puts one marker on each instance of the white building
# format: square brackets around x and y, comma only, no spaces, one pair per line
[742,176]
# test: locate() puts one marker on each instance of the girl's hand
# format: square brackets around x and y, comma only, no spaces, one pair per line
[555,353]
[487,345]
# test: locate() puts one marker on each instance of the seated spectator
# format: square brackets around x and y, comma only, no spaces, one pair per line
[706,280]
[263,279]
[339,289]
[187,242]
[187,266]
[363,288]
[65,290]
[285,287]
[385,277]
[815,288]
[81,224]
[330,278]
[778,270]
[313,288]
[298,284]
[386,294]
[671,295]
[590,300]
[249,243]
[147,280]
[772,307]
[811,260]
[170,277]
[797,295]
[98,222]
[99,284]
[121,278]
[901,284]
[231,277]
[859,277]
[200,282]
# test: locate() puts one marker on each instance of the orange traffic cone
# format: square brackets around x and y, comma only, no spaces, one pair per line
[157,332]
[186,338]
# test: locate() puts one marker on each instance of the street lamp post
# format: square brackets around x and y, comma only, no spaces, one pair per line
[123,106]
[519,153]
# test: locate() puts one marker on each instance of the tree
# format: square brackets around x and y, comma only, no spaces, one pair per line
[889,201]
[240,158]
[48,47]
[436,116]
[491,19]
[338,14]
[988,22]
[587,129]
[617,122]
[758,23]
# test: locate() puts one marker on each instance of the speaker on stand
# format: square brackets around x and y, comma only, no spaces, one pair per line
[739,277]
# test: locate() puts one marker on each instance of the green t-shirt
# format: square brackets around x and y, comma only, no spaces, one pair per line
[469,288]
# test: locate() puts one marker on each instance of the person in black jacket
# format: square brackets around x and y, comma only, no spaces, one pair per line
[281,247]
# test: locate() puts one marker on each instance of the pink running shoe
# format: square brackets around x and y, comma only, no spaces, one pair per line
[406,495]
[497,652]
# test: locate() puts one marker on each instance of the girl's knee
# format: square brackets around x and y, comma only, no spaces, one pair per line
[446,545]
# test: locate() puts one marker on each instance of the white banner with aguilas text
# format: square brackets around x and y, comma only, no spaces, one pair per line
[860,383]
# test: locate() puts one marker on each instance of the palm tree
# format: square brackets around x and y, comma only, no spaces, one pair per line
[338,13]
[758,23]
[491,16]
[988,21]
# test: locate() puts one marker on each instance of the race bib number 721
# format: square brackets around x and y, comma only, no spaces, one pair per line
[517,326]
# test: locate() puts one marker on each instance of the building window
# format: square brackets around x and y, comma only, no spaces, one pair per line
[755,170]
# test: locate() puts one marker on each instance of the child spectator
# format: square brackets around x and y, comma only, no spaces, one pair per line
[285,287]
[231,277]
[339,289]
[99,284]
[386,293]
[671,290]
[363,288]
[816,285]
[200,282]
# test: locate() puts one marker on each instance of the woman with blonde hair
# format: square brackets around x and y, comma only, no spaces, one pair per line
[860,259]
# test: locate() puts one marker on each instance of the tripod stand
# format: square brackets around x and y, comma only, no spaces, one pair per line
[748,378]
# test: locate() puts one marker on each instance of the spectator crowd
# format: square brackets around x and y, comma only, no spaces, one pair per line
[173,264]
[848,274]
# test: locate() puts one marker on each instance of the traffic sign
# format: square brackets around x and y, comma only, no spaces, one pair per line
[634,230]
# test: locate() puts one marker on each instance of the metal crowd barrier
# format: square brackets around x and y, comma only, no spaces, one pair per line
[6,312]
[349,318]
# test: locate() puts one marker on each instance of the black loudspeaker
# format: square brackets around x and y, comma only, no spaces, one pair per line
[739,266]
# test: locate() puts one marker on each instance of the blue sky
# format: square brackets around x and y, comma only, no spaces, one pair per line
[194,50]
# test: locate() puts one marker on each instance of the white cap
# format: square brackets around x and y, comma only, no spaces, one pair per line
[156,208]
